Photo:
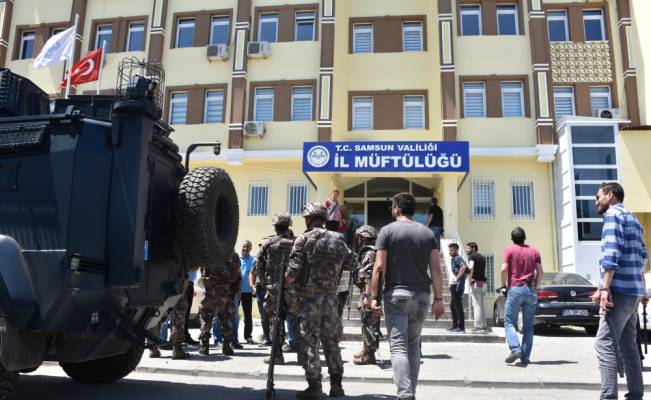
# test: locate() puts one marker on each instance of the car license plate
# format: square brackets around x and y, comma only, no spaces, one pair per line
[575,313]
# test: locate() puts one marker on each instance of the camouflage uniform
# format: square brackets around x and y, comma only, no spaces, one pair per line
[220,286]
[269,265]
[364,271]
[317,258]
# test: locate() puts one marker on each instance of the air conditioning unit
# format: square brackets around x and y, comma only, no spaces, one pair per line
[217,52]
[258,49]
[254,128]
[609,113]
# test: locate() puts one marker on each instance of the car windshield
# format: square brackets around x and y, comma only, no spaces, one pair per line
[563,278]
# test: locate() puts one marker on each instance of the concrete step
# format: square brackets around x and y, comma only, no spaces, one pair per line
[432,335]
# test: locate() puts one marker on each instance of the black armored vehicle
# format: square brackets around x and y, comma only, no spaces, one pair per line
[99,221]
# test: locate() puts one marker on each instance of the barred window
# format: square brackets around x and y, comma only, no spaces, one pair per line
[296,197]
[302,103]
[490,272]
[412,36]
[258,199]
[483,199]
[522,199]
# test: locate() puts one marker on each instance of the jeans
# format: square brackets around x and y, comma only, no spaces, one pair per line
[623,317]
[477,296]
[291,333]
[437,230]
[405,312]
[163,333]
[260,291]
[456,307]
[217,326]
[525,298]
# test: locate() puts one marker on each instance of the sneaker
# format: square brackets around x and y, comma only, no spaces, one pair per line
[451,329]
[250,341]
[237,345]
[288,349]
[512,357]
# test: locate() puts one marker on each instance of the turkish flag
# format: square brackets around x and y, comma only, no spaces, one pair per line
[86,69]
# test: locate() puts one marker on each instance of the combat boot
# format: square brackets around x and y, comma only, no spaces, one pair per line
[280,359]
[227,350]
[204,349]
[336,390]
[313,392]
[154,352]
[178,353]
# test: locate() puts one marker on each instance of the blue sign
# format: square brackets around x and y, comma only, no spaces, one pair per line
[386,157]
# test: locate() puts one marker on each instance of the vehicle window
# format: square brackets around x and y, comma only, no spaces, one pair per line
[561,278]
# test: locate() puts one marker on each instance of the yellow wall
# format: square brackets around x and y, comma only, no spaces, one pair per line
[498,132]
[635,164]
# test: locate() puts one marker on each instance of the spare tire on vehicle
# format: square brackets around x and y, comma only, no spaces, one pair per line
[206,217]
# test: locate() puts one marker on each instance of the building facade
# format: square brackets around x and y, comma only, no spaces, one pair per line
[543,91]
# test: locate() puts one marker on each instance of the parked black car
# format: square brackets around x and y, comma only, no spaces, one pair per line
[563,299]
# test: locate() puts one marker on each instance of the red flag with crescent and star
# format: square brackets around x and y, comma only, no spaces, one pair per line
[86,69]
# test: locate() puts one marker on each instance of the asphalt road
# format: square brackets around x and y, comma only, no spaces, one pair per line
[50,383]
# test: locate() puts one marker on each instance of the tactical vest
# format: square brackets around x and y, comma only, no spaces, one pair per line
[324,252]
[277,258]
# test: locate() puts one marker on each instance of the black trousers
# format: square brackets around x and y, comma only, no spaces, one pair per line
[456,307]
[189,293]
[247,308]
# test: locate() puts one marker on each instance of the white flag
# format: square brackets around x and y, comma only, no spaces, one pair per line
[58,48]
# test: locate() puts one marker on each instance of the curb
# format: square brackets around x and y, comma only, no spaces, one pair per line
[357,379]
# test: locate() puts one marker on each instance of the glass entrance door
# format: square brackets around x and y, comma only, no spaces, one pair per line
[379,213]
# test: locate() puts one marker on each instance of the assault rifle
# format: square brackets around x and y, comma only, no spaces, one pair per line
[371,332]
[278,329]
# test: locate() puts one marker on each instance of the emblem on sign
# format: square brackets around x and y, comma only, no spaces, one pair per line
[318,156]
[573,293]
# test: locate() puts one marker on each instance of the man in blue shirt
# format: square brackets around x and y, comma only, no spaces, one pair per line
[246,263]
[622,287]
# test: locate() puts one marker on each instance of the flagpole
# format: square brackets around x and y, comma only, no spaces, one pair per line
[72,56]
[101,66]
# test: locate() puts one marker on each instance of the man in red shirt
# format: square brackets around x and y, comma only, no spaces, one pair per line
[336,219]
[521,274]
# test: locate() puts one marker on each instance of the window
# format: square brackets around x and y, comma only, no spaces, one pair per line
[471,20]
[362,113]
[178,108]
[258,199]
[362,38]
[512,99]
[185,33]
[214,106]
[474,100]
[599,98]
[557,26]
[263,109]
[412,36]
[136,37]
[483,199]
[56,31]
[302,103]
[304,26]
[593,25]
[268,28]
[219,30]
[26,45]
[563,101]
[296,197]
[507,19]
[103,34]
[413,112]
[490,273]
[522,200]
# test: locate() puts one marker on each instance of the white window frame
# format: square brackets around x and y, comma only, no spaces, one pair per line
[302,19]
[25,37]
[219,20]
[205,106]
[410,100]
[600,17]
[173,101]
[471,9]
[265,18]
[570,95]
[97,34]
[520,91]
[469,90]
[475,183]
[513,12]
[523,182]
[290,186]
[304,96]
[608,95]
[264,207]
[559,18]
[355,106]
[184,23]
[362,28]
[131,29]
[419,29]
[263,96]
